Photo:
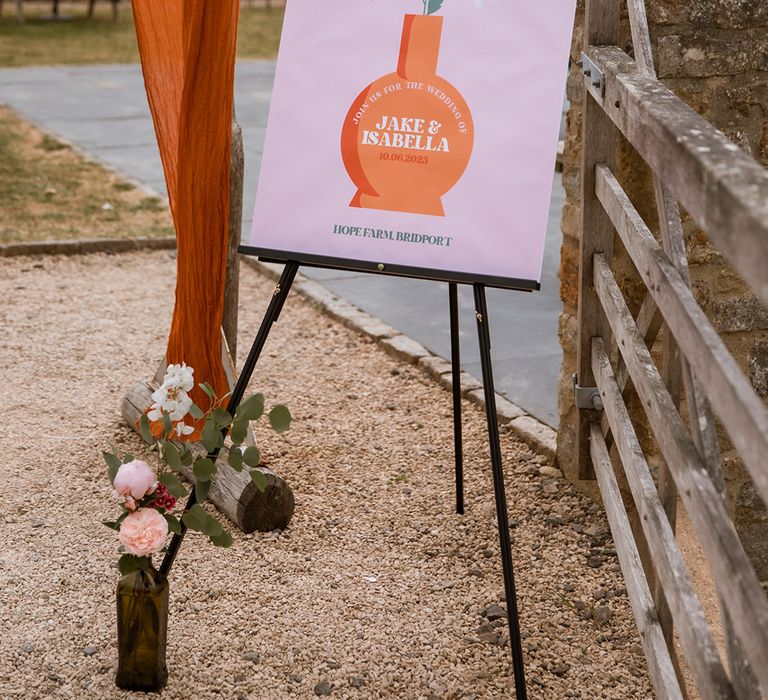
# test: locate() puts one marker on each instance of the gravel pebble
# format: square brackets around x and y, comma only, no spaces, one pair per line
[258,620]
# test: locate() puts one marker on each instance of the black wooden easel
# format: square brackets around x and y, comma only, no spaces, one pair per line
[484,337]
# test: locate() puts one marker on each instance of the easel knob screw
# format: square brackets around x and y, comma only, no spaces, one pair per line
[479,316]
[380,267]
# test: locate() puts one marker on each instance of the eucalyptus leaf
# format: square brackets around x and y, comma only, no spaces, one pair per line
[259,478]
[210,435]
[173,524]
[203,469]
[129,563]
[145,430]
[202,489]
[174,486]
[128,457]
[221,417]
[252,456]
[222,540]
[208,389]
[212,527]
[239,431]
[172,456]
[112,525]
[186,455]
[196,412]
[195,518]
[280,418]
[167,425]
[113,464]
[252,408]
[235,459]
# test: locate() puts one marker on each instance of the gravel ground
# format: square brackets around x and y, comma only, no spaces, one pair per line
[377,589]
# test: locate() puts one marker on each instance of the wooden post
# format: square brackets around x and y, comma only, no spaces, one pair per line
[231,286]
[601,28]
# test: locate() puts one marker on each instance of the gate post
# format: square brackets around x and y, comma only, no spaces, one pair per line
[601,28]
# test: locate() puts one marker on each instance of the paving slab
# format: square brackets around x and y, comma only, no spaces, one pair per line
[103,110]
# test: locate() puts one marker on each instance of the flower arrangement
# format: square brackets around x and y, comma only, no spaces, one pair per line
[149,494]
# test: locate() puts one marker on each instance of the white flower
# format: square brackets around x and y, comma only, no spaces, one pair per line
[183,429]
[172,395]
[180,377]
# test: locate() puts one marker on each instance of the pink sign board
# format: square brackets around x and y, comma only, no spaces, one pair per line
[414,137]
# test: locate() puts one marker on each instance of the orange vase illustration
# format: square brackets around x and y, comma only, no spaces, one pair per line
[408,137]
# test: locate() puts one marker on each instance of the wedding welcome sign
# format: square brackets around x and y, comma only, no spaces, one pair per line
[416,137]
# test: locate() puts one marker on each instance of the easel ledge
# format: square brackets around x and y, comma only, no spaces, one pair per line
[280,257]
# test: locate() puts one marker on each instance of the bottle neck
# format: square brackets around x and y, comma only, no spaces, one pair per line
[419,47]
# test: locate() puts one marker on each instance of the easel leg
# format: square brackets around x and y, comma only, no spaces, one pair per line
[513,622]
[271,316]
[458,449]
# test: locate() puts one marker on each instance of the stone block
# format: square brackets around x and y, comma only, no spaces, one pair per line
[758,367]
[468,382]
[434,366]
[404,348]
[505,409]
[568,331]
[536,435]
[740,314]
[751,521]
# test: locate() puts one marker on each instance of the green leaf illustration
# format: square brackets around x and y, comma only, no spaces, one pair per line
[433,6]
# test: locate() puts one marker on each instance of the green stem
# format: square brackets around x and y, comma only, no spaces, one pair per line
[425,7]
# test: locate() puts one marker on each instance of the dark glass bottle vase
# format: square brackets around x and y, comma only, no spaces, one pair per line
[142,626]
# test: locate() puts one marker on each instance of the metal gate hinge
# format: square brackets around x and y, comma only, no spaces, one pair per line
[586,397]
[593,77]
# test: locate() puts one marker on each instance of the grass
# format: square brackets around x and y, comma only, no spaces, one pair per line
[50,192]
[99,40]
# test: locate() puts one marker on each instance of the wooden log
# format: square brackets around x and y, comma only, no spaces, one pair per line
[743,414]
[599,146]
[233,493]
[660,666]
[741,591]
[723,189]
[672,574]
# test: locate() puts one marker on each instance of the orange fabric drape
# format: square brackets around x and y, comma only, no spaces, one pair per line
[187,50]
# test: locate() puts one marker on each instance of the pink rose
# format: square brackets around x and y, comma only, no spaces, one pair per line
[135,479]
[143,533]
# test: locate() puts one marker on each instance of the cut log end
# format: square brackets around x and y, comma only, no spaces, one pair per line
[271,509]
[233,493]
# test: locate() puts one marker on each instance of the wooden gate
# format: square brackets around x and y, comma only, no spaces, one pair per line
[726,193]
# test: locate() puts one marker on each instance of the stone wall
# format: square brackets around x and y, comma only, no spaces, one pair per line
[714,55]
